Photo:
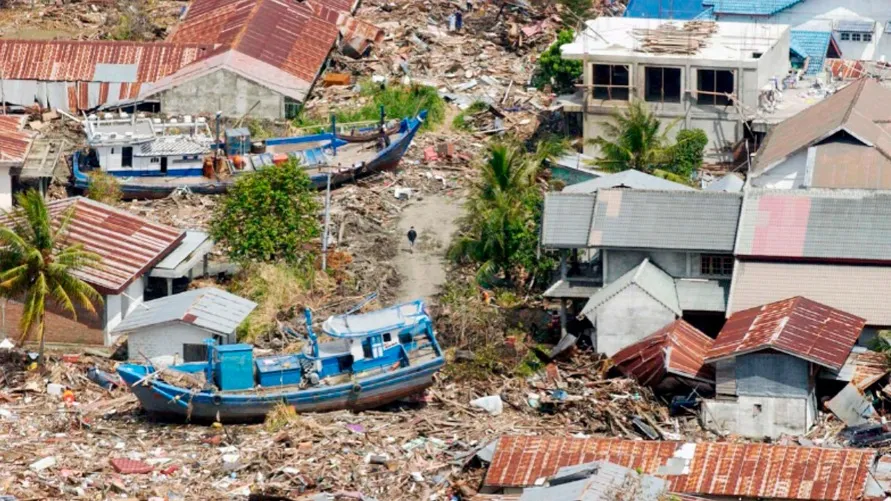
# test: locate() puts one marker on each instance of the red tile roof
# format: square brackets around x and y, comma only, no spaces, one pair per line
[14,141]
[71,61]
[129,245]
[678,348]
[295,37]
[797,326]
[712,469]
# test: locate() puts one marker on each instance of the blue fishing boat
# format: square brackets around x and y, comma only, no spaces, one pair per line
[152,160]
[373,359]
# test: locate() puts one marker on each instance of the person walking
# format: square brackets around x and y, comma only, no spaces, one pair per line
[412,235]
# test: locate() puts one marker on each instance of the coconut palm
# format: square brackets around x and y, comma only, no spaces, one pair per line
[37,265]
[633,139]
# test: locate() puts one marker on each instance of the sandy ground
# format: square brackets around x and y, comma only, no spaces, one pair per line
[424,270]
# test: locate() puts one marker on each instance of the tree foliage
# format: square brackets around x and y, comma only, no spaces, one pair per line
[269,216]
[104,188]
[503,214]
[561,73]
[37,265]
[686,154]
[633,139]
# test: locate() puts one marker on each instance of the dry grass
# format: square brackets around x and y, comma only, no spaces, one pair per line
[280,417]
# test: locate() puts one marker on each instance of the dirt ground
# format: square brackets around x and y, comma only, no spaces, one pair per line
[424,269]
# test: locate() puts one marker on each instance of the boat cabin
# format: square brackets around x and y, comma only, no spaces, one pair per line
[134,145]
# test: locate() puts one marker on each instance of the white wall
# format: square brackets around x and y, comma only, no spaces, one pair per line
[5,188]
[777,416]
[166,339]
[111,162]
[627,318]
[788,175]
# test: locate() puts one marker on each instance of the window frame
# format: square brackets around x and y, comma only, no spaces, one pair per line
[712,95]
[661,69]
[610,86]
[855,37]
[866,37]
[709,264]
[845,36]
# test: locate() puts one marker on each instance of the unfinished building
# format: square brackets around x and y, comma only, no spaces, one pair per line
[701,74]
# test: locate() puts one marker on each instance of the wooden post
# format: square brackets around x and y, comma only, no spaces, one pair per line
[327,222]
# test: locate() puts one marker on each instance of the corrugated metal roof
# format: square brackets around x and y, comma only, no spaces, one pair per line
[814,44]
[14,141]
[626,179]
[840,225]
[760,471]
[649,278]
[702,295]
[175,145]
[212,309]
[844,164]
[855,25]
[730,183]
[863,368]
[601,481]
[678,348]
[55,60]
[677,220]
[751,7]
[566,220]
[860,290]
[569,288]
[129,245]
[855,109]
[295,37]
[797,326]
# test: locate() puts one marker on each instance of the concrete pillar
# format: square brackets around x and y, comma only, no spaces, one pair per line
[205,265]
[169,286]
[562,300]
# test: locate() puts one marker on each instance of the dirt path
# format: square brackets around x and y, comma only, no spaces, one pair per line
[424,270]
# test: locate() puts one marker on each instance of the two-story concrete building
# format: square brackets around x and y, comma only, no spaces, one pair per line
[702,74]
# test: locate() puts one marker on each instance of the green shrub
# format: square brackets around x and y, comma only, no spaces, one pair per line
[561,73]
[687,152]
[269,216]
[460,120]
[103,187]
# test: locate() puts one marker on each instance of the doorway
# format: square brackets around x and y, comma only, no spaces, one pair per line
[163,165]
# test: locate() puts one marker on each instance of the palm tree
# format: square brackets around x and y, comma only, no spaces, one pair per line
[497,211]
[36,265]
[633,140]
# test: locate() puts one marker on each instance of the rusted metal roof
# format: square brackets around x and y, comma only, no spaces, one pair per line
[863,368]
[129,245]
[295,37]
[760,471]
[797,326]
[678,349]
[14,141]
[76,61]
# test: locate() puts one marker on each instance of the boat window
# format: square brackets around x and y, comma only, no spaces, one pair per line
[388,337]
[194,352]
[366,349]
[155,160]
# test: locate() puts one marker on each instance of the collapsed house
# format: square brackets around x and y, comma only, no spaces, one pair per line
[707,75]
[129,247]
[234,56]
[715,471]
[15,143]
[766,359]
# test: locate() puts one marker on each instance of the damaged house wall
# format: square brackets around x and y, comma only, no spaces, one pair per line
[222,90]
[774,395]
[627,318]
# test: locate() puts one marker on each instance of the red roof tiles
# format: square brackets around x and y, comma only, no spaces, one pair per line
[797,326]
[678,348]
[129,245]
[76,61]
[712,469]
[14,142]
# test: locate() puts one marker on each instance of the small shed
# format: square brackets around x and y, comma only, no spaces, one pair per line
[178,325]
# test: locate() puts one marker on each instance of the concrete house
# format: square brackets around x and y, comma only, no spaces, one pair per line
[766,359]
[130,248]
[831,246]
[177,325]
[841,142]
[685,237]
[630,178]
[708,76]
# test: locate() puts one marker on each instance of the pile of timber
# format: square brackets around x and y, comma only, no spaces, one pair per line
[673,39]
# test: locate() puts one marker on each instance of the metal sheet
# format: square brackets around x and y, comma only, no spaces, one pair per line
[851,406]
[109,72]
[679,348]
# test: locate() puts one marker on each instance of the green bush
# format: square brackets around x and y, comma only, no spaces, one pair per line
[269,216]
[561,73]
[103,188]
[686,154]
[460,120]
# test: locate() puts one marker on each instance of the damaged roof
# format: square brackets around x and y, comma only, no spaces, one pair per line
[280,43]
[798,326]
[128,245]
[15,142]
[827,225]
[860,290]
[859,112]
[677,220]
[678,349]
[760,471]
[211,309]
